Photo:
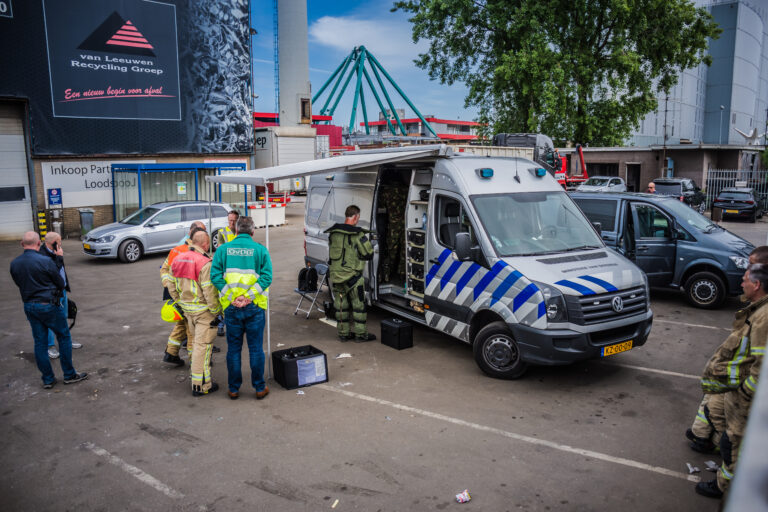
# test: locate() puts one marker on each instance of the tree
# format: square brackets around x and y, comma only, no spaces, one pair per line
[585,71]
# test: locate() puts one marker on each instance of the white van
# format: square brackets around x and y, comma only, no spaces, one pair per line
[496,255]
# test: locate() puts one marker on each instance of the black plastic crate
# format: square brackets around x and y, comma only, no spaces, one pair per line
[416,285]
[416,253]
[417,270]
[416,237]
[396,333]
[299,367]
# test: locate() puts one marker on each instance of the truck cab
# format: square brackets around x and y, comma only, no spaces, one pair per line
[488,250]
[674,245]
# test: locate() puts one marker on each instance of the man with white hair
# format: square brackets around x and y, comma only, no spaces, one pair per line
[53,249]
[41,285]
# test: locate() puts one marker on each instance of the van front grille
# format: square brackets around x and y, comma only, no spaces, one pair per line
[595,309]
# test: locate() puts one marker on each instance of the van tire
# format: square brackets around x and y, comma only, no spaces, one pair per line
[705,290]
[497,353]
[129,251]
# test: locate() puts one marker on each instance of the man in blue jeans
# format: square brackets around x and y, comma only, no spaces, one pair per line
[242,271]
[41,284]
[53,249]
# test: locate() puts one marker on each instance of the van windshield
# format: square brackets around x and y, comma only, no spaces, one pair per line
[535,223]
[687,217]
[140,216]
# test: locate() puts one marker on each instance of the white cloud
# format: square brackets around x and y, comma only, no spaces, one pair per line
[388,39]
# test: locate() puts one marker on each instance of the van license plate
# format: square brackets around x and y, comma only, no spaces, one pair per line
[731,211]
[618,347]
[86,246]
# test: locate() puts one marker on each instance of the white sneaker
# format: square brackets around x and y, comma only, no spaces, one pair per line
[77,345]
[53,353]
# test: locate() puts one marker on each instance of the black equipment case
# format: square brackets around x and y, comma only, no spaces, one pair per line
[299,367]
[396,333]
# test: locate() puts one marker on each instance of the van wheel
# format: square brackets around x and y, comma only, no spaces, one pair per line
[129,251]
[705,290]
[497,353]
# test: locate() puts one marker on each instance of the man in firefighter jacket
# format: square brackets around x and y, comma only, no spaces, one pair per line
[349,249]
[732,372]
[242,271]
[179,332]
[198,298]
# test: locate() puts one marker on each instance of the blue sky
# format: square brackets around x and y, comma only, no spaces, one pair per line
[334,29]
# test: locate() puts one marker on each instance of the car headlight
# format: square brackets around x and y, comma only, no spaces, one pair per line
[740,262]
[105,239]
[556,309]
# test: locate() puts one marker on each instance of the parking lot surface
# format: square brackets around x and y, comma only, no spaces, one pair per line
[391,430]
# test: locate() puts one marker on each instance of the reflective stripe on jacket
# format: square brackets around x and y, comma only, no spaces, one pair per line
[193,290]
[739,358]
[242,267]
[225,235]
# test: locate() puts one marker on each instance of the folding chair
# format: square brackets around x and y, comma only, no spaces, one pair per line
[322,273]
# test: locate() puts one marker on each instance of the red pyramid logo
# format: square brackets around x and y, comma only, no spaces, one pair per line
[116,35]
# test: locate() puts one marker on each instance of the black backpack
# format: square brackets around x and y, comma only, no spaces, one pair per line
[307,279]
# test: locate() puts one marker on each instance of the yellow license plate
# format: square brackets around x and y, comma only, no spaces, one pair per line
[86,246]
[618,347]
[731,211]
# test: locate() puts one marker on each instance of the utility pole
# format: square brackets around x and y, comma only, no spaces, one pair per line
[664,145]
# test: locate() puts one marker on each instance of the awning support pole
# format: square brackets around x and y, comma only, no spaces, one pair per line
[266,221]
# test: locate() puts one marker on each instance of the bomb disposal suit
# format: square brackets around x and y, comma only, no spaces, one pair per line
[497,255]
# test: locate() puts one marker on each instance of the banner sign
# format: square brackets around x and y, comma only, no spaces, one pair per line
[84,183]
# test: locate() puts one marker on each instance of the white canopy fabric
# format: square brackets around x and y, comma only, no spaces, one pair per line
[330,165]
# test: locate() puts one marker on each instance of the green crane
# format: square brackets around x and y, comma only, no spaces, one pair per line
[355,65]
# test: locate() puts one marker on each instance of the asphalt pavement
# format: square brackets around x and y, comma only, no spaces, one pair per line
[391,430]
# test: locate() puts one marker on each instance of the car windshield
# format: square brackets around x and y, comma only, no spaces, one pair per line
[140,216]
[688,218]
[668,189]
[597,182]
[535,223]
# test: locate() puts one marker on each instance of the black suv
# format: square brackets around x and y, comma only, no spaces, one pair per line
[684,189]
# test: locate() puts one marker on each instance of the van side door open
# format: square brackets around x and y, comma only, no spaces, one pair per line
[655,244]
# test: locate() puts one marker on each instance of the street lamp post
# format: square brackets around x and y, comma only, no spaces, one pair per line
[720,141]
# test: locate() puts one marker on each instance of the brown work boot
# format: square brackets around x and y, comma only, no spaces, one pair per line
[261,394]
[234,395]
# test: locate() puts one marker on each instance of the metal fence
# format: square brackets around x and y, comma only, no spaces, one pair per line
[718,179]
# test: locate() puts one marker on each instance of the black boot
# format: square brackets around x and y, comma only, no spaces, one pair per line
[700,444]
[213,389]
[709,489]
[360,338]
[168,358]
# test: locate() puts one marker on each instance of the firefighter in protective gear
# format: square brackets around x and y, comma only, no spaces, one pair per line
[349,249]
[199,299]
[733,371]
[227,234]
[179,332]
[242,271]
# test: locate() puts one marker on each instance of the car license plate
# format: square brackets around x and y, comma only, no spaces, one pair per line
[731,211]
[86,246]
[618,347]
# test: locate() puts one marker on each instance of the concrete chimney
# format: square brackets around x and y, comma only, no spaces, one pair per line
[293,56]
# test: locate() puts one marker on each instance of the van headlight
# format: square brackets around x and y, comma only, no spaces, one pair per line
[556,310]
[740,262]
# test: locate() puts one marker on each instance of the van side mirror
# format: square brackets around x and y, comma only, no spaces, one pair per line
[463,247]
[598,227]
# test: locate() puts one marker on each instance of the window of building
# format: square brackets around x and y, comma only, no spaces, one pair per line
[8,194]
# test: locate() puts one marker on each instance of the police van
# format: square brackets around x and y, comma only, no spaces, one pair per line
[489,250]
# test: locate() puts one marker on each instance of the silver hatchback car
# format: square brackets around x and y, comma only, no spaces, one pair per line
[155,228]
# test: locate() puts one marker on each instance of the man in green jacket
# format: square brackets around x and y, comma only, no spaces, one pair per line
[242,271]
[349,249]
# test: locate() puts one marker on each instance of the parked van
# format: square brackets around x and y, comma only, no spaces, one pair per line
[488,250]
[674,245]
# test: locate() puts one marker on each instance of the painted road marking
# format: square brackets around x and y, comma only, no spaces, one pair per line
[654,370]
[662,321]
[133,470]
[517,437]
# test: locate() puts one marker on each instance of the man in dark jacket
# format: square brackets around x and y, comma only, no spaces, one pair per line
[349,249]
[41,284]
[53,249]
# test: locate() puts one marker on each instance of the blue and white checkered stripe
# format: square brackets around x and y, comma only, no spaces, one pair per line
[587,285]
[501,289]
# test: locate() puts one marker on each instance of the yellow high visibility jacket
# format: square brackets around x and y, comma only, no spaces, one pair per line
[225,235]
[242,267]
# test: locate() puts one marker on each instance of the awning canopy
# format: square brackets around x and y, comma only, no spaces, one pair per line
[336,164]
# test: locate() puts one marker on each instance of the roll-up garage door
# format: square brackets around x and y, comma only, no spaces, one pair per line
[15,206]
